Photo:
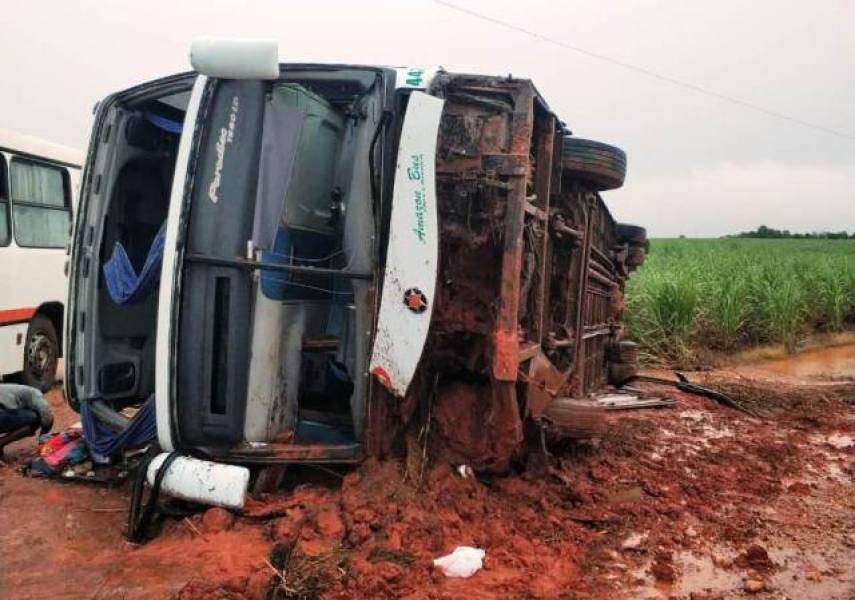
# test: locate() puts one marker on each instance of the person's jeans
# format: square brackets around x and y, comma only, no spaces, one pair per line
[10,420]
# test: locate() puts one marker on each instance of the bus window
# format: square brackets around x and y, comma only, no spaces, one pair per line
[40,207]
[4,205]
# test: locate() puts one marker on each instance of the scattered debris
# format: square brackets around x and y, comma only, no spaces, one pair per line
[756,558]
[57,452]
[683,384]
[799,401]
[754,586]
[631,401]
[463,562]
[547,532]
[302,575]
[634,542]
[465,471]
[839,442]
[662,568]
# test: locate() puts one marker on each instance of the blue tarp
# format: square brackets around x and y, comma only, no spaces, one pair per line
[106,441]
[163,123]
[123,283]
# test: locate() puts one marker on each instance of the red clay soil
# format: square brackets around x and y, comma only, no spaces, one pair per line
[475,426]
[697,501]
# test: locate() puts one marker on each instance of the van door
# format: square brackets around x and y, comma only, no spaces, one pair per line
[409,280]
[205,321]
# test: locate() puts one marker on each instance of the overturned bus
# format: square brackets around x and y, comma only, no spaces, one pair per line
[301,263]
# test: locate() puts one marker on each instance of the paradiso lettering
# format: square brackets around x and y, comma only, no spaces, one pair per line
[227,135]
[416,173]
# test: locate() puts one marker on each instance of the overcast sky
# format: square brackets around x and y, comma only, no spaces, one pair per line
[697,166]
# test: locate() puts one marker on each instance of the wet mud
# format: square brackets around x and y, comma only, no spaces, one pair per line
[832,362]
[696,501]
[836,361]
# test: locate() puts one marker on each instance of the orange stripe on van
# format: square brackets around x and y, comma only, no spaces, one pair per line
[16,315]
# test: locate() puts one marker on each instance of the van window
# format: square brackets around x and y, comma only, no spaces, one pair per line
[39,203]
[4,205]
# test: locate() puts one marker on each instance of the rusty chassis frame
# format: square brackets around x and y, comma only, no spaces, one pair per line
[529,290]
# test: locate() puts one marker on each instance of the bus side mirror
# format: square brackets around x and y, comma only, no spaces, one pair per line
[233,58]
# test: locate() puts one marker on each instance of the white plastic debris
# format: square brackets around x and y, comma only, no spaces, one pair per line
[464,562]
[465,471]
[634,541]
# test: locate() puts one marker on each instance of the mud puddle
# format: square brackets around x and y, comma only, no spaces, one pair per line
[795,574]
[836,361]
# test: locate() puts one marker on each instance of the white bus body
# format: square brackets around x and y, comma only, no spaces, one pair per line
[39,181]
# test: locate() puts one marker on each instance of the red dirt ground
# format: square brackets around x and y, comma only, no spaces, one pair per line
[696,501]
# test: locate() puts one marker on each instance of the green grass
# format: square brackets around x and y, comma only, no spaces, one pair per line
[728,294]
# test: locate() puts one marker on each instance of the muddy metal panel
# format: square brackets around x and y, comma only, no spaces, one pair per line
[409,282]
[531,288]
[298,453]
[486,165]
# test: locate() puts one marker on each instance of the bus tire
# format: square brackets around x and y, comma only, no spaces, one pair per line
[625,351]
[635,256]
[620,373]
[601,166]
[576,419]
[41,353]
[631,234]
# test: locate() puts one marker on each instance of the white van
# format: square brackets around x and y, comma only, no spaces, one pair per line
[38,186]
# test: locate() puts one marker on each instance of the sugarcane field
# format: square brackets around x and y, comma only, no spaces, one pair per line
[563,308]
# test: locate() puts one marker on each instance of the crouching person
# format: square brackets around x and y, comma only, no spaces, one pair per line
[23,410]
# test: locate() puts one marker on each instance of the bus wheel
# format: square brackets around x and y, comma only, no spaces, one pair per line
[40,354]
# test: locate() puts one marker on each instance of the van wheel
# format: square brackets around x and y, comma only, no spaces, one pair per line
[635,256]
[620,373]
[41,353]
[631,234]
[601,166]
[625,351]
[579,419]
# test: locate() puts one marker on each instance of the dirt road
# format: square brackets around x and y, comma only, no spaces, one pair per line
[697,501]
